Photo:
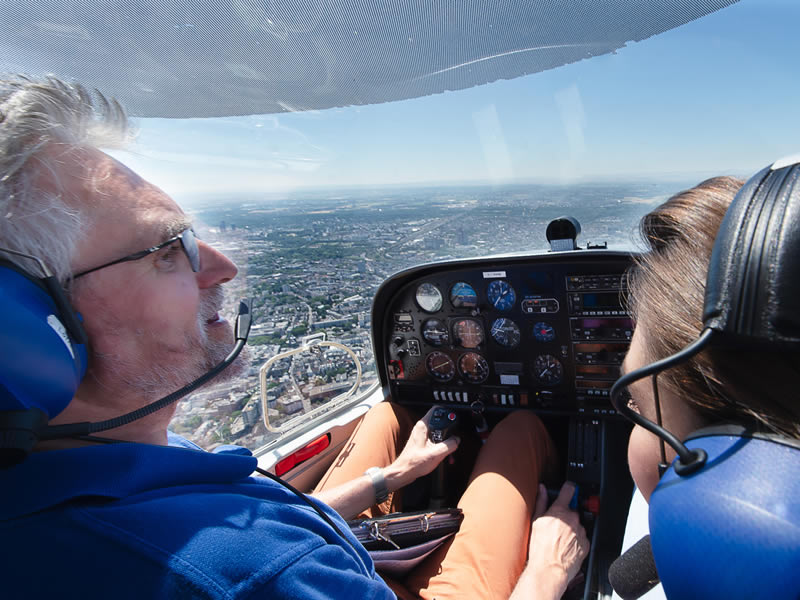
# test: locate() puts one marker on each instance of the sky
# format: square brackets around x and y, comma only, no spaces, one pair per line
[715,96]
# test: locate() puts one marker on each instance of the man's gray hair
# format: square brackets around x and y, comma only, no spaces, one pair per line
[38,115]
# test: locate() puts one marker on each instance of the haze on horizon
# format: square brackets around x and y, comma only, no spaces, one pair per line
[674,107]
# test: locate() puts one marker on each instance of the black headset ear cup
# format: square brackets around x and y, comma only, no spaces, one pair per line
[43,363]
[754,274]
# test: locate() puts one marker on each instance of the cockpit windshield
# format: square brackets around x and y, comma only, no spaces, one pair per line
[368,147]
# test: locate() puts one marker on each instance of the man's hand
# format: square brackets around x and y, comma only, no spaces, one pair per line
[558,540]
[419,457]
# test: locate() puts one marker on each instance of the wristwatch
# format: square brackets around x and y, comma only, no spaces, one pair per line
[378,484]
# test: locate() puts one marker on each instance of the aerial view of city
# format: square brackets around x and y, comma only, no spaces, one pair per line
[311,261]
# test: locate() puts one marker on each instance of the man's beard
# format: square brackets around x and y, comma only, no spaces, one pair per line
[153,379]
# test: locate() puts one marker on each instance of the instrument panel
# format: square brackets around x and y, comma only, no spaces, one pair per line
[546,332]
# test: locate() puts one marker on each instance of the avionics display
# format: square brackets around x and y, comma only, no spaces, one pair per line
[603,371]
[594,384]
[596,304]
[595,282]
[593,393]
[590,354]
[601,329]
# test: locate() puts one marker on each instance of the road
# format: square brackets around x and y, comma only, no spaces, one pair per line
[306,402]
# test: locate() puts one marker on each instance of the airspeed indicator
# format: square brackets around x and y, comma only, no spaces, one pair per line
[429,297]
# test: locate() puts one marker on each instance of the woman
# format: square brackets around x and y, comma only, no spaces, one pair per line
[667,290]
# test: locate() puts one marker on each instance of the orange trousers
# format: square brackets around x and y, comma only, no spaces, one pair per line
[487,555]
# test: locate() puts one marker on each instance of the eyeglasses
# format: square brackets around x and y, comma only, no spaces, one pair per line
[188,244]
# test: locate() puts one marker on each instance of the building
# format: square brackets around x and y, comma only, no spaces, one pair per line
[290,405]
[332,323]
[326,392]
[251,412]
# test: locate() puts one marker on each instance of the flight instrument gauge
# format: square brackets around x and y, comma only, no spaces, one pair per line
[435,332]
[547,369]
[462,295]
[473,367]
[543,332]
[501,295]
[440,366]
[505,332]
[429,298]
[468,333]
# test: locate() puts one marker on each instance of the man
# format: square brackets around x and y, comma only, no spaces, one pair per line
[141,518]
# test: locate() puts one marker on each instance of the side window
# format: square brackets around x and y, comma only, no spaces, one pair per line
[303,385]
[283,392]
[310,339]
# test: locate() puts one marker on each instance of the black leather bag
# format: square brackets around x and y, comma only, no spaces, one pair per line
[402,530]
[400,541]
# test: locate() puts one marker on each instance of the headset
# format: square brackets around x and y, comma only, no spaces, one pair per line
[45,357]
[725,516]
[44,349]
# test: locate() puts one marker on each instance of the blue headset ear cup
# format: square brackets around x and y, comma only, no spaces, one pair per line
[732,529]
[41,365]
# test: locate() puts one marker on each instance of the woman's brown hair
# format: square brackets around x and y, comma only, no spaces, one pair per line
[667,288]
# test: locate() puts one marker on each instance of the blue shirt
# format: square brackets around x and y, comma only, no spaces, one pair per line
[137,521]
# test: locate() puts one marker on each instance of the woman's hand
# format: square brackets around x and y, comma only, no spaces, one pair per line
[419,457]
[557,548]
[558,540]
